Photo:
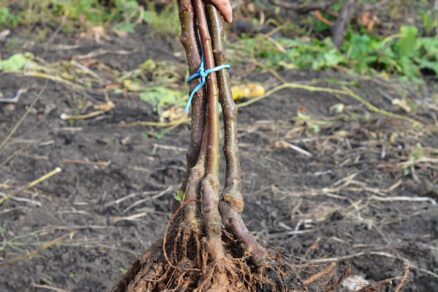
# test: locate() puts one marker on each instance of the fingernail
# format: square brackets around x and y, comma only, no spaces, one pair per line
[229,18]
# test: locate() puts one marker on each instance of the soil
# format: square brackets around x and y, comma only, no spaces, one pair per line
[82,228]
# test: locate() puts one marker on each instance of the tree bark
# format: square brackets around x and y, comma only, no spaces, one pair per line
[210,185]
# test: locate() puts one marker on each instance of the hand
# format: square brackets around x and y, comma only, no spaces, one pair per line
[224,7]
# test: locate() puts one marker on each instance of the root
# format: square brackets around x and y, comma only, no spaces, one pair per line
[181,262]
[329,271]
[233,221]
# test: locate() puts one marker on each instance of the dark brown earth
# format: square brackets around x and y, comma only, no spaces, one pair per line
[114,195]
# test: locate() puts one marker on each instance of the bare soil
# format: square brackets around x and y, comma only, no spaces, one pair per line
[350,200]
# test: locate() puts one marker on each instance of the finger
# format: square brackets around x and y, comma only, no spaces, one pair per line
[224,8]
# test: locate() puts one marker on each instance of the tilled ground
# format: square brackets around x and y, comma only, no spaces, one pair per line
[326,178]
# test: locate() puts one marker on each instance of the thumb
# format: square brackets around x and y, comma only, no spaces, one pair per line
[224,8]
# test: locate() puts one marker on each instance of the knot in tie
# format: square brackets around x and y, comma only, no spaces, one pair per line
[202,74]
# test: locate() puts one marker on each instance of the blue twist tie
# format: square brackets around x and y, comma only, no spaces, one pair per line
[201,73]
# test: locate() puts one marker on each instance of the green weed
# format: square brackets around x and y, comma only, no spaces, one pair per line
[179,196]
[122,15]
[311,124]
[160,97]
[7,19]
[429,20]
[165,22]
[154,81]
[16,62]
[406,54]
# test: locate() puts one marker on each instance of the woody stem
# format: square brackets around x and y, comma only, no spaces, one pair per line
[210,185]
[231,205]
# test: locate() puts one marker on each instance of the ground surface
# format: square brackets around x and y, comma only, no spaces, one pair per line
[347,196]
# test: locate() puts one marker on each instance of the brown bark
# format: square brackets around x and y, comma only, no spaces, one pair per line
[195,160]
[190,43]
[210,185]
[231,205]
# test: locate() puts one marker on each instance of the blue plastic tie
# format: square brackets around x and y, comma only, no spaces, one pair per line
[202,74]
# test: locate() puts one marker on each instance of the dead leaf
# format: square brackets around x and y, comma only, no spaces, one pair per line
[317,14]
[280,145]
[367,20]
[354,283]
[248,90]
[172,114]
[112,86]
[96,33]
[106,106]
[99,109]
[337,108]
[403,104]
[132,85]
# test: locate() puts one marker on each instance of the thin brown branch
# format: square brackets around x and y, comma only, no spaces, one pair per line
[193,185]
[190,42]
[231,205]
[195,161]
[210,185]
[212,90]
[229,109]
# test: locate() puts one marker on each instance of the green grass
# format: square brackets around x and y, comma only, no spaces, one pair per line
[74,15]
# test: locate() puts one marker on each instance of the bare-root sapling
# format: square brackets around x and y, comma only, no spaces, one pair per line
[206,245]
